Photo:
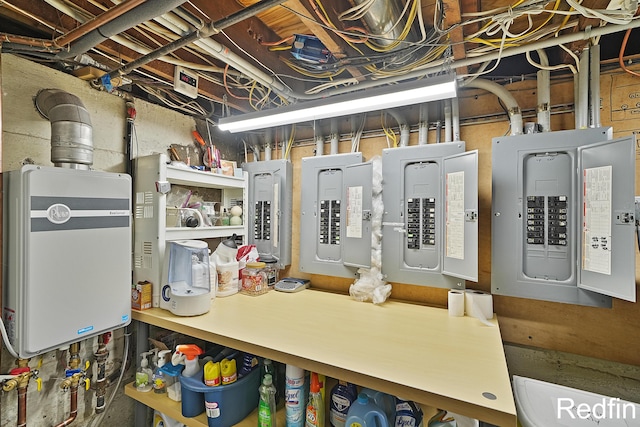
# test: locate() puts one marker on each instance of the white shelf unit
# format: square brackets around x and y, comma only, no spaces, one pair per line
[150,232]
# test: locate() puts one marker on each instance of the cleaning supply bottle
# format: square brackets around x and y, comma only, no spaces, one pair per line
[191,353]
[341,398]
[212,377]
[408,413]
[267,403]
[315,407]
[269,368]
[228,371]
[365,413]
[159,379]
[249,361]
[294,396]
[144,374]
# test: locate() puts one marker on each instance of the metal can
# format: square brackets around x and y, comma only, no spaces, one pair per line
[254,279]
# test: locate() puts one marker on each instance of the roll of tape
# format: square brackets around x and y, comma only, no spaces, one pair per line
[479,304]
[456,303]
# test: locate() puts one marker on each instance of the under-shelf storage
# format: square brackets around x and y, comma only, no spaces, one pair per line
[411,351]
[154,179]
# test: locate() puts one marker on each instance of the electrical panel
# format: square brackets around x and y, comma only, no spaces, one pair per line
[335,215]
[269,209]
[430,224]
[563,217]
[66,256]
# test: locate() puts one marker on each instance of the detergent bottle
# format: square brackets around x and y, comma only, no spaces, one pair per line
[365,413]
[315,407]
[191,353]
[267,403]
[144,374]
[341,398]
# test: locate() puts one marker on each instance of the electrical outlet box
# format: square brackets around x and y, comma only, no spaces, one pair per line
[335,215]
[430,224]
[269,208]
[562,226]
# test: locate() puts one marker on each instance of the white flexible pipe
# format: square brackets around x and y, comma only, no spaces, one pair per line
[515,115]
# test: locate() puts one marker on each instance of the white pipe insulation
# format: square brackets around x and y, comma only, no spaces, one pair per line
[515,115]
[544,93]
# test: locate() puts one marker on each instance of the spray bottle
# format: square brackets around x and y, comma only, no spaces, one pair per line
[191,353]
[144,374]
[315,407]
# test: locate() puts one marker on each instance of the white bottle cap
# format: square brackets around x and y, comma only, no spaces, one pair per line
[294,372]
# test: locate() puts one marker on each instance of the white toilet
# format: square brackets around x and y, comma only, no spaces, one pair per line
[542,404]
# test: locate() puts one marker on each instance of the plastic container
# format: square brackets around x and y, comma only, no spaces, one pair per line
[267,403]
[161,420]
[294,396]
[364,413]
[144,374]
[212,376]
[172,378]
[384,401]
[254,279]
[227,267]
[159,377]
[228,371]
[315,407]
[272,271]
[341,398]
[408,414]
[226,405]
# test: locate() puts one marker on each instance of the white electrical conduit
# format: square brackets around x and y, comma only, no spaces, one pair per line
[319,145]
[334,137]
[581,103]
[423,124]
[544,92]
[268,141]
[515,115]
[405,129]
[594,82]
[447,120]
[455,118]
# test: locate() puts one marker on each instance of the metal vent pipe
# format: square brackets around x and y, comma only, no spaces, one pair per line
[71,130]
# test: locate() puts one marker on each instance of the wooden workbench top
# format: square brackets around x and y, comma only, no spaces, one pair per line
[411,351]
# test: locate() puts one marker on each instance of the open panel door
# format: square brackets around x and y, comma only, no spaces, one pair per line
[358,183]
[607,238]
[460,249]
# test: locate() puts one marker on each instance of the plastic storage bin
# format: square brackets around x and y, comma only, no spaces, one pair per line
[225,405]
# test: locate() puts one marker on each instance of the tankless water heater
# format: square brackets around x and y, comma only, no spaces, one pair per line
[67,256]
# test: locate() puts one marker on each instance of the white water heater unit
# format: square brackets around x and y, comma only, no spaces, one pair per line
[66,256]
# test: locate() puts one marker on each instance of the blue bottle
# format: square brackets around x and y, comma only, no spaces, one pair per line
[364,413]
[408,414]
[295,398]
[341,397]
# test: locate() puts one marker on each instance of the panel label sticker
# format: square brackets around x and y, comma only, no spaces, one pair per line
[354,212]
[596,226]
[454,215]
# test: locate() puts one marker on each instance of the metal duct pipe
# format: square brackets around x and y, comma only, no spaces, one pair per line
[268,141]
[447,120]
[455,119]
[544,93]
[382,20]
[582,102]
[405,130]
[142,13]
[515,115]
[594,90]
[319,145]
[71,130]
[423,124]
[334,137]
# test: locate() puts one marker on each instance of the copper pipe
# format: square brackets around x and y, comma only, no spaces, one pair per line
[107,16]
[74,407]
[22,407]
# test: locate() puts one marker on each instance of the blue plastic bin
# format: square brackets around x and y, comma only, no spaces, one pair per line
[225,405]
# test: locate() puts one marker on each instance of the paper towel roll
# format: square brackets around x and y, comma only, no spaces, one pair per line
[456,303]
[479,304]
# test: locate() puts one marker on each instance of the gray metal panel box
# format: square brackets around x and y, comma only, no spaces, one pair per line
[538,222]
[358,182]
[268,212]
[414,242]
[67,247]
[321,214]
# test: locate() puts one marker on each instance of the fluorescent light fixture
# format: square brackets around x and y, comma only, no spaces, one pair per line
[391,96]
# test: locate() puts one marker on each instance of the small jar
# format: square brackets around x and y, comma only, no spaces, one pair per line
[254,279]
[271,269]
